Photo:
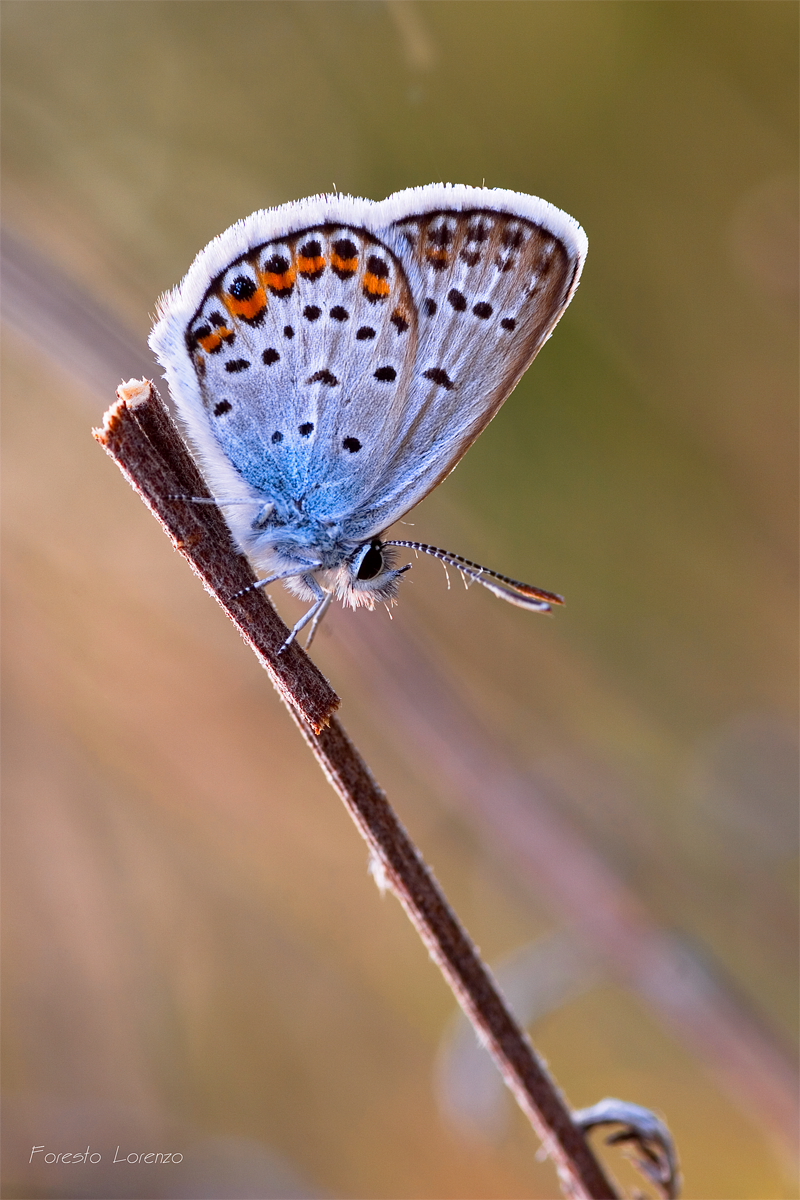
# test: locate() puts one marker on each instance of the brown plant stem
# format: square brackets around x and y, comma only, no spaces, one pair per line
[138,433]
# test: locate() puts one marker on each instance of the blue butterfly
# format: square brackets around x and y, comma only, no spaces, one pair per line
[332,359]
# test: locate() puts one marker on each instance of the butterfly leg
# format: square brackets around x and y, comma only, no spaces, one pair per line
[260,520]
[265,510]
[314,614]
[263,516]
[322,609]
[261,583]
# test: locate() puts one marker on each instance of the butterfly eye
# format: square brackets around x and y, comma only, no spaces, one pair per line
[371,560]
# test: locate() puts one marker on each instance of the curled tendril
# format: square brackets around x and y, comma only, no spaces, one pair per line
[654,1150]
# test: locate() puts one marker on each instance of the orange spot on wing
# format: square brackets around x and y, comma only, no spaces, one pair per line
[348,265]
[212,342]
[310,266]
[249,308]
[282,283]
[438,258]
[373,286]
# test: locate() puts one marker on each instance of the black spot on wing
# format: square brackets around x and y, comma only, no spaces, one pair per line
[277,265]
[512,238]
[441,236]
[234,365]
[325,377]
[439,376]
[223,407]
[269,357]
[242,288]
[438,259]
[345,248]
[352,444]
[377,266]
[385,374]
[477,231]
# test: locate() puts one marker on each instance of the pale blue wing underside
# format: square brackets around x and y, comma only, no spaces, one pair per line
[341,355]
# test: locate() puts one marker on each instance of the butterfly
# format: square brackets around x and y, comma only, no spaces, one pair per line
[332,360]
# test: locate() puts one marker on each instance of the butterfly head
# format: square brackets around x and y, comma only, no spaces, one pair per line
[369,576]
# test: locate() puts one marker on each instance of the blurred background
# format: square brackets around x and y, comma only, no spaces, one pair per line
[196,959]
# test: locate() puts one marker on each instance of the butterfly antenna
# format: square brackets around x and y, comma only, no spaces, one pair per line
[512,590]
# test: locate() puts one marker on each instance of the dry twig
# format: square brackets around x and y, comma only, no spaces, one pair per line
[140,436]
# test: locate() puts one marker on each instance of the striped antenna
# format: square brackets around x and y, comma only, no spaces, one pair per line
[512,590]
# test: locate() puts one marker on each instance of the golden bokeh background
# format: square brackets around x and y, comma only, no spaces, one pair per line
[196,959]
